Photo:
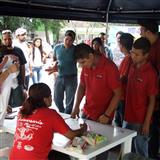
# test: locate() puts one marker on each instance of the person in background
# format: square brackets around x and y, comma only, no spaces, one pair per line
[34,121]
[38,59]
[108,51]
[17,95]
[99,82]
[118,35]
[66,80]
[118,55]
[97,45]
[142,88]
[21,43]
[149,30]
[125,45]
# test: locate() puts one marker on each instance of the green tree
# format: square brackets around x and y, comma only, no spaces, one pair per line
[54,26]
[32,24]
[12,23]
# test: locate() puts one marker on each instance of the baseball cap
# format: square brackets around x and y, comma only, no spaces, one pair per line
[20,31]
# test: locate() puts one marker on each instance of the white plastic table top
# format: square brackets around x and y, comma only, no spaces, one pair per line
[115,136]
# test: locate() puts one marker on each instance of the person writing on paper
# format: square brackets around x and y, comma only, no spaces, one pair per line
[35,120]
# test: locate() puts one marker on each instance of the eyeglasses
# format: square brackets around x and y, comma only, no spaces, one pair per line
[6,31]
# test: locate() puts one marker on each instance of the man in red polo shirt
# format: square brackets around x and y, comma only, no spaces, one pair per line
[142,88]
[99,82]
[149,30]
[125,45]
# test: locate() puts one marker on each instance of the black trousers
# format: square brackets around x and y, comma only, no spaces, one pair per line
[54,155]
[154,140]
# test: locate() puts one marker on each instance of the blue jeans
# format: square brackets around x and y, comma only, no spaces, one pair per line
[37,74]
[133,156]
[140,142]
[67,85]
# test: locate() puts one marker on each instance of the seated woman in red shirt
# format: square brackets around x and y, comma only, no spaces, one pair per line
[36,124]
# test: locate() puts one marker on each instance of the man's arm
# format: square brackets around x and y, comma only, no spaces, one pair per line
[147,121]
[79,97]
[13,68]
[105,118]
[53,69]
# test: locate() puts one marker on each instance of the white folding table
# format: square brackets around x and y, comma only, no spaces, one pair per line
[115,136]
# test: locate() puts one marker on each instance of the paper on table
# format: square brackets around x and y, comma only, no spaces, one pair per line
[60,140]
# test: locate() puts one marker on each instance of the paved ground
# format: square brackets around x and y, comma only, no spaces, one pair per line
[6,140]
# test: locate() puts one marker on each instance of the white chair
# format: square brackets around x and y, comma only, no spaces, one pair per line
[4,152]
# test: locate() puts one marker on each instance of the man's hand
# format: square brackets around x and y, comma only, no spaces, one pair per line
[53,69]
[75,112]
[145,129]
[103,119]
[83,127]
[9,109]
[13,68]
[4,60]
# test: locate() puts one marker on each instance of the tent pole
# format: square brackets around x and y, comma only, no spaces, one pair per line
[107,17]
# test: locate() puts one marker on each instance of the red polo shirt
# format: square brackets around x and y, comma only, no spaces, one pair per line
[154,55]
[99,84]
[34,134]
[123,71]
[142,83]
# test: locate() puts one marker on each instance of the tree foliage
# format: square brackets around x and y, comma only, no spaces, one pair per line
[12,23]
[32,25]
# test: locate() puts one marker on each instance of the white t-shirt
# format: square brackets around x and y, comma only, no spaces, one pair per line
[24,47]
[37,62]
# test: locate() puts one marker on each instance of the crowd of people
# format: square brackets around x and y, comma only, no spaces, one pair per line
[125,96]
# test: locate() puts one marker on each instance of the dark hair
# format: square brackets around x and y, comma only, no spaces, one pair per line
[82,51]
[143,44]
[98,40]
[126,40]
[37,93]
[71,34]
[40,48]
[119,32]
[102,34]
[150,25]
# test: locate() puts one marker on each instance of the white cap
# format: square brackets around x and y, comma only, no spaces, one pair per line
[6,31]
[20,31]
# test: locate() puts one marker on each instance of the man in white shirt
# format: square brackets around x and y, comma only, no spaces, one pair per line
[21,43]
